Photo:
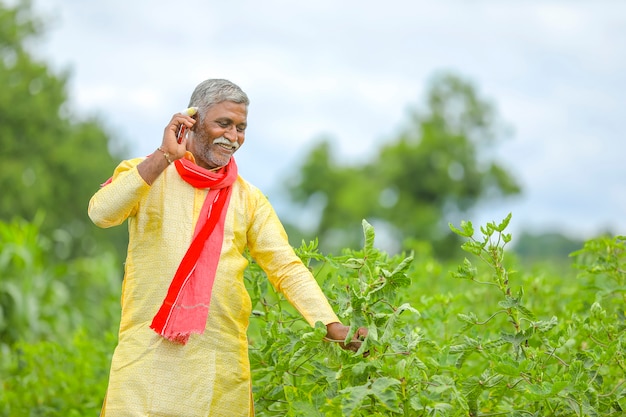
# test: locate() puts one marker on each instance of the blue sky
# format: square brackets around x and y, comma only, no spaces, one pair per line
[350,70]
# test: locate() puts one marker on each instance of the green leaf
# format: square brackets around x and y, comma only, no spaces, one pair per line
[354,263]
[403,266]
[369,234]
[540,390]
[467,318]
[441,383]
[465,271]
[392,320]
[471,389]
[526,312]
[383,390]
[507,367]
[488,229]
[504,224]
[353,398]
[472,247]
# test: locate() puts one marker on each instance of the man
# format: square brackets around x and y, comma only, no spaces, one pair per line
[182,347]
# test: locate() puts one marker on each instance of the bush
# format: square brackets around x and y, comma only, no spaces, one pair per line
[56,379]
[57,325]
[45,298]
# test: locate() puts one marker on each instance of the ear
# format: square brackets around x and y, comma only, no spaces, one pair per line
[198,120]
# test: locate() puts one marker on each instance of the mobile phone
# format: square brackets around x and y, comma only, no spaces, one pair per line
[190,111]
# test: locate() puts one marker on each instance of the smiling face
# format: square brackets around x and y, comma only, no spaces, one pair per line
[217,135]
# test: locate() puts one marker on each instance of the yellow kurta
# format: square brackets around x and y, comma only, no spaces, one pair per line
[210,375]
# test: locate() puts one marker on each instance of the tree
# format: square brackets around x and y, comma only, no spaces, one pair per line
[434,172]
[52,161]
[552,246]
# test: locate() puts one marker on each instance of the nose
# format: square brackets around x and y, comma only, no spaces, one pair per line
[231,134]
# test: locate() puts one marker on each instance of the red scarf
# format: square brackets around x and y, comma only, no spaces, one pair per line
[186,305]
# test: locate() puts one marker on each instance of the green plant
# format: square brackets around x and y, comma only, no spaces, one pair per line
[45,298]
[480,340]
[480,346]
[541,367]
[56,378]
[296,372]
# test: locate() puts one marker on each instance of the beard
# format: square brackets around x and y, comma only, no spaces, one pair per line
[207,153]
[210,155]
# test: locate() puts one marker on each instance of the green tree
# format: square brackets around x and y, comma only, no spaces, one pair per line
[437,169]
[553,246]
[52,160]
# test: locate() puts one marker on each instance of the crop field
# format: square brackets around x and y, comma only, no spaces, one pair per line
[479,337]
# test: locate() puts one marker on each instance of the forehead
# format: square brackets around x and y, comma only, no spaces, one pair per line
[238,112]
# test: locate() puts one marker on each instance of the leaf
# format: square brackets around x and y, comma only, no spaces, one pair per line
[465,271]
[383,390]
[516,338]
[472,247]
[488,229]
[392,319]
[363,367]
[462,358]
[543,326]
[505,222]
[372,332]
[368,232]
[471,390]
[465,349]
[441,383]
[352,398]
[354,263]
[540,390]
[403,266]
[513,303]
[467,318]
[507,367]
[467,230]
[525,312]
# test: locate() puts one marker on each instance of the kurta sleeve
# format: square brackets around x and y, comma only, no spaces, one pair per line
[269,246]
[115,201]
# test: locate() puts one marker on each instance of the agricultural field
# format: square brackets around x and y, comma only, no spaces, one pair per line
[480,337]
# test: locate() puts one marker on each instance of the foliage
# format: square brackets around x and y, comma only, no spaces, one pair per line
[52,159]
[48,378]
[538,366]
[296,373]
[471,340]
[602,262]
[57,325]
[42,299]
[439,167]
[485,349]
[533,248]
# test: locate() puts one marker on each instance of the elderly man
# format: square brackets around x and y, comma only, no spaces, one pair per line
[182,347]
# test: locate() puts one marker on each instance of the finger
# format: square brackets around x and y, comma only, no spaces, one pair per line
[180,120]
[177,123]
[360,334]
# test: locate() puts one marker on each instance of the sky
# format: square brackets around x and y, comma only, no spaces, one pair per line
[353,70]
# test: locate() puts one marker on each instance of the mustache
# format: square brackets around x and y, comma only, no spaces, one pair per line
[222,140]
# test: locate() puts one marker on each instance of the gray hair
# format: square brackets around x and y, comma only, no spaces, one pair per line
[214,91]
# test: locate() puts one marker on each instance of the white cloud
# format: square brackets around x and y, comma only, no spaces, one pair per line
[556,70]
